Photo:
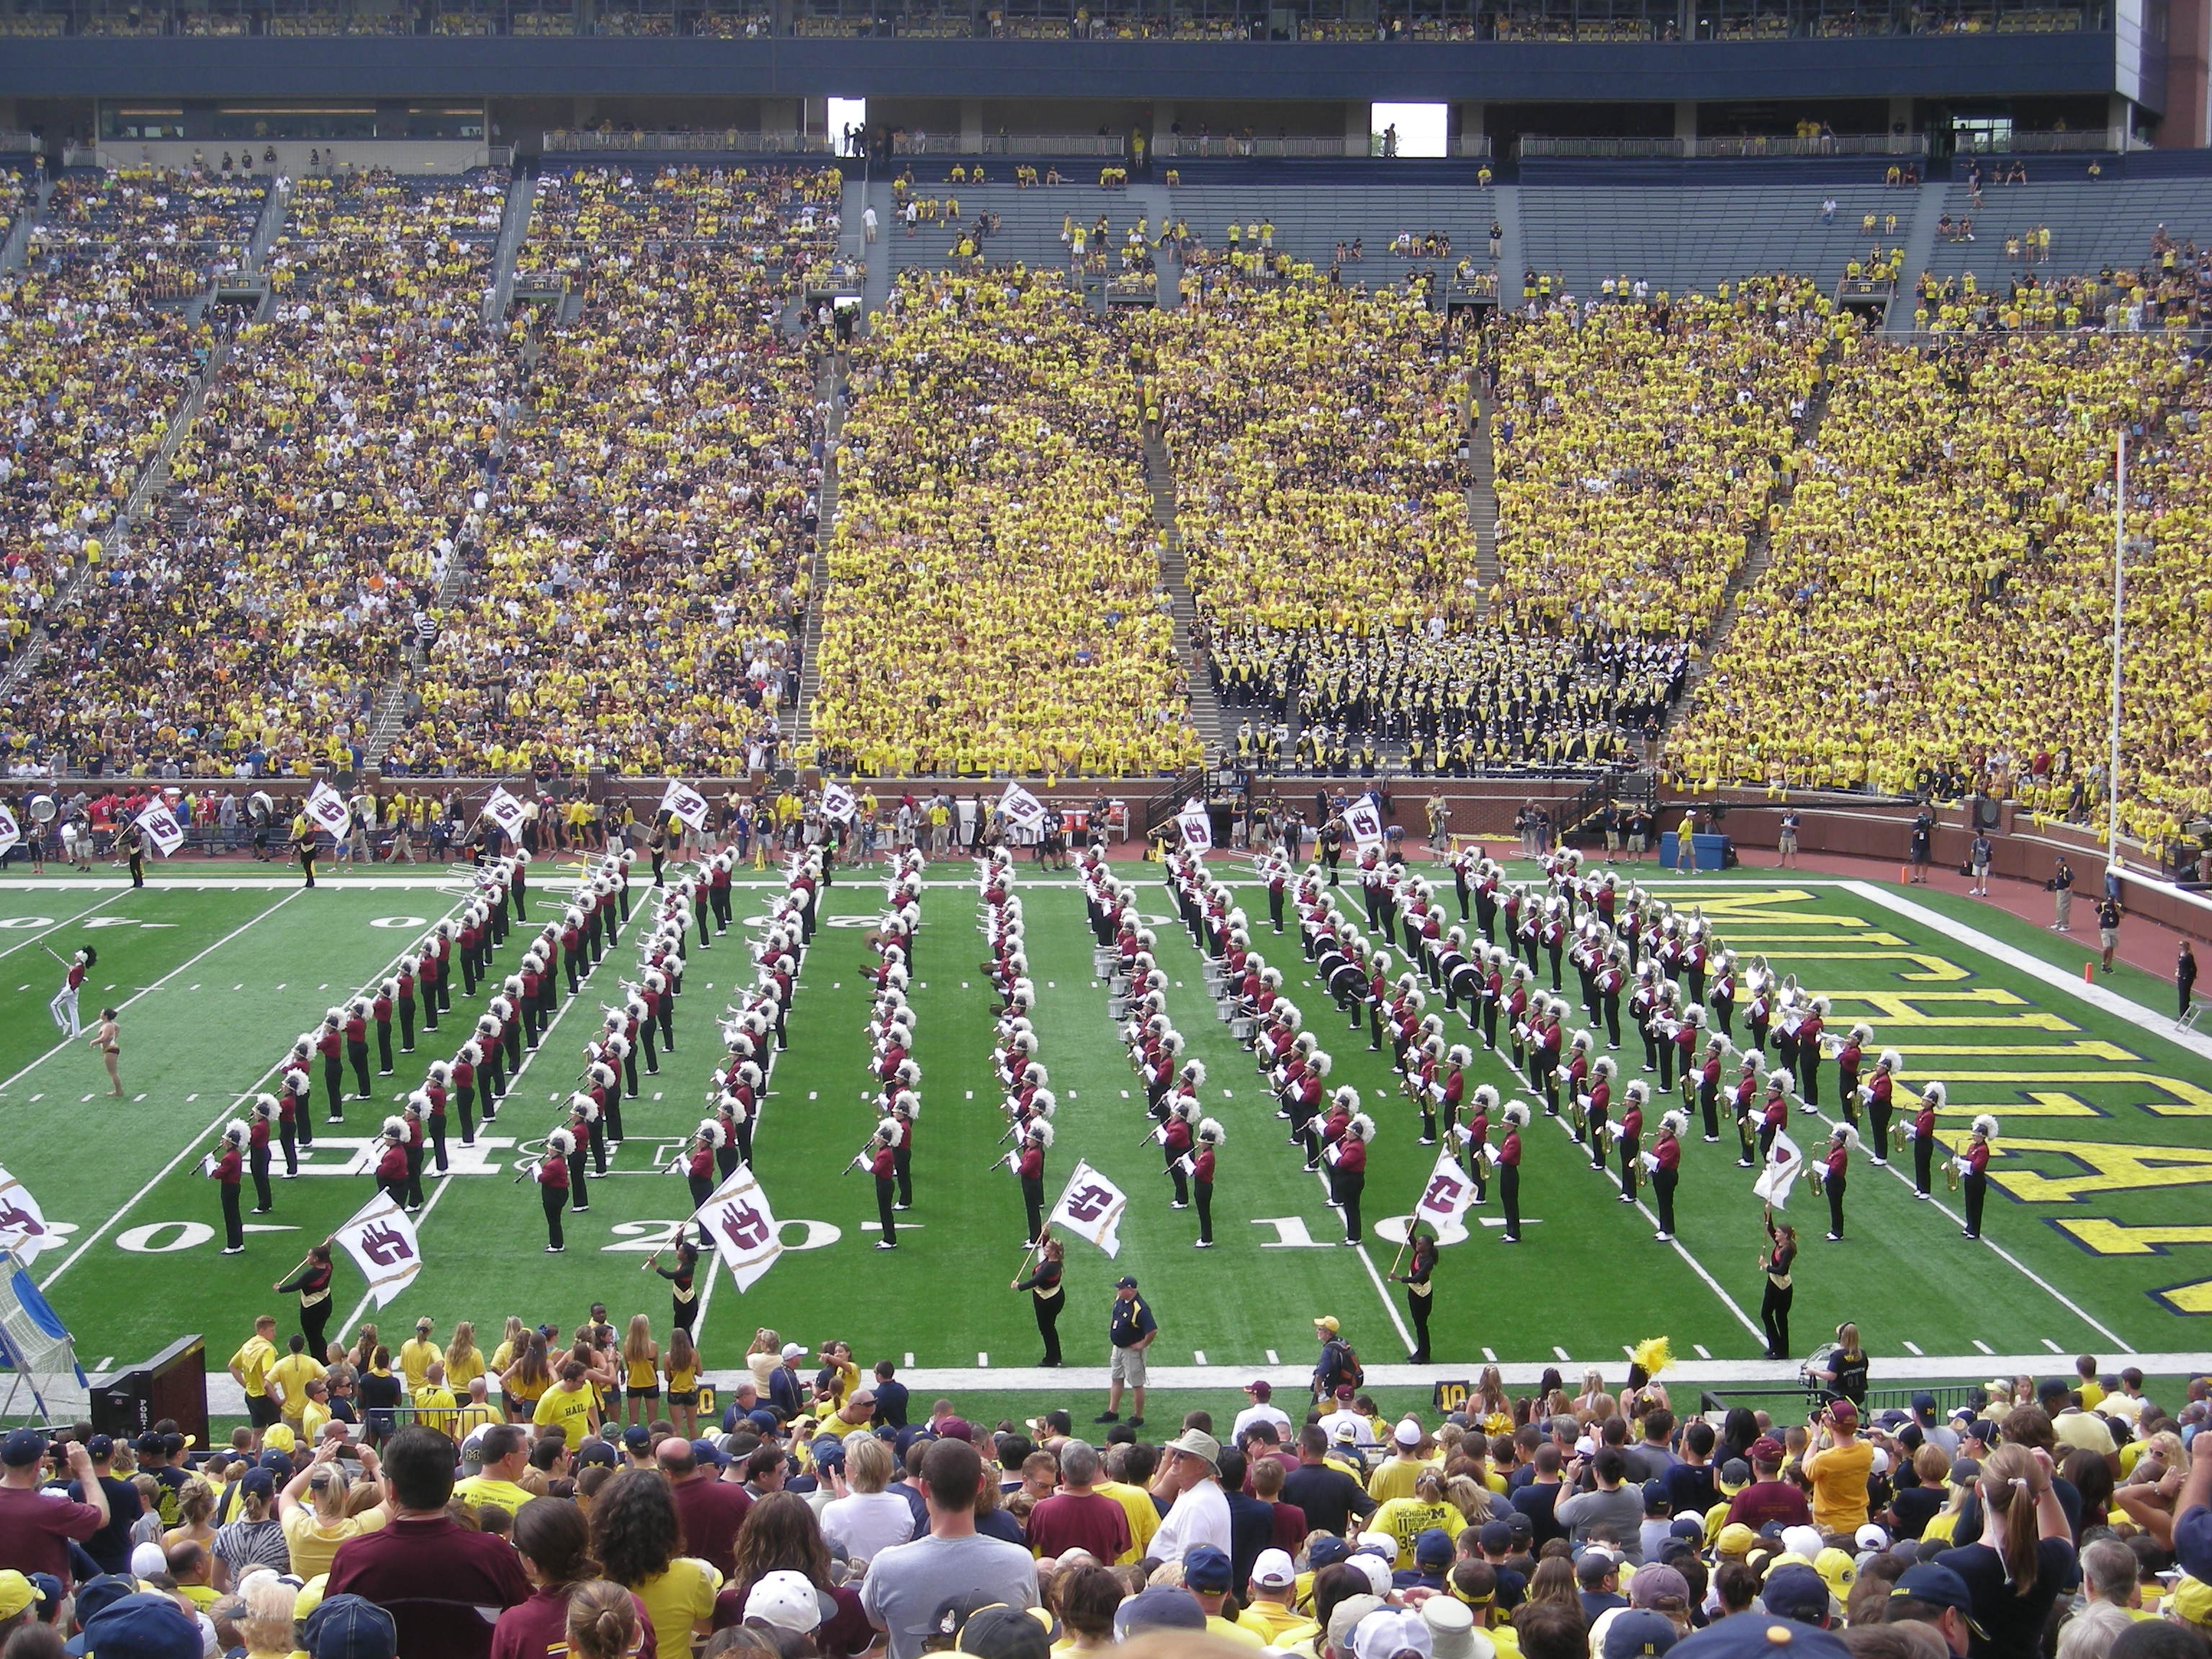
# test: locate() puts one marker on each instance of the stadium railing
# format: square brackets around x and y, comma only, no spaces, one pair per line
[565,142]
[1751,147]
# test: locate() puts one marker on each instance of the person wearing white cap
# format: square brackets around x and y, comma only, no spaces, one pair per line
[1190,1475]
[1395,1476]
[1269,1614]
[1452,1634]
[1393,1633]
[787,1600]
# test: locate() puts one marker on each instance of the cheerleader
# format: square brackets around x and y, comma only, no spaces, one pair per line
[552,1174]
[1211,1135]
[1419,1295]
[1666,1171]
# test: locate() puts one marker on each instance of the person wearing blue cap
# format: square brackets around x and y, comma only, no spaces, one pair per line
[144,1624]
[350,1627]
[1758,1636]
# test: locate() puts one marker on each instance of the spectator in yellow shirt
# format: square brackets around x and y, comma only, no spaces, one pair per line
[433,1401]
[249,1368]
[570,1403]
[288,1378]
[416,1357]
[1839,1470]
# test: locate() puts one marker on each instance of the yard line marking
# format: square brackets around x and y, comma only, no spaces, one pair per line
[982,1362]
[134,1099]
[1490,1354]
[1272,1358]
[1559,1353]
[189,1099]
[1913,1346]
[24,944]
[909,1361]
[105,1360]
[1703,1351]
[191,987]
[1198,1355]
[38,1096]
[2053,1347]
[158,983]
[1982,1346]
[87,1097]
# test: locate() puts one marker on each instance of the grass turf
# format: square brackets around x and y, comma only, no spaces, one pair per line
[2108,1132]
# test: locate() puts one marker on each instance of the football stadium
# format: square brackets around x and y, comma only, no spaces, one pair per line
[750,742]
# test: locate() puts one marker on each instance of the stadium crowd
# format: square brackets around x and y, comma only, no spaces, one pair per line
[431,1499]
[993,449]
[1995,459]
[1638,447]
[645,559]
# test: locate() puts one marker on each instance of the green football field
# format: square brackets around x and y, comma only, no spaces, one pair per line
[2098,1235]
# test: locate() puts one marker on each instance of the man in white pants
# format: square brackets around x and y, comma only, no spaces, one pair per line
[64,1007]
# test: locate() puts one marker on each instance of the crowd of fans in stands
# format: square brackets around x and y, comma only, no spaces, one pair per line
[993,598]
[1995,461]
[432,1499]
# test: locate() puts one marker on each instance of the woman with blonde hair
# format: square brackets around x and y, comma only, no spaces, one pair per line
[524,1382]
[464,1361]
[763,1357]
[680,1365]
[1593,1404]
[2025,1555]
[1999,1404]
[317,1523]
[640,1371]
[266,1627]
[196,1513]
[512,1342]
[1488,1405]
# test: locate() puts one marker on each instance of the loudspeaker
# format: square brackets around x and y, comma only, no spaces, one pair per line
[172,1384]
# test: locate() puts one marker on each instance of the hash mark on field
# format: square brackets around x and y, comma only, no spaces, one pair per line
[191,987]
[241,987]
[238,988]
[1273,1359]
[1125,1093]
[1050,986]
[1490,1354]
[1071,1094]
[1913,1346]
[189,1099]
[656,1094]
[105,1360]
[1198,1355]
[1703,1353]
[1979,1343]
[983,1361]
[22,987]
[141,988]
[1560,1352]
[88,1097]
[909,1361]
[134,1099]
[971,1094]
[322,987]
[811,1094]
[2053,1347]
[964,984]
[39,1096]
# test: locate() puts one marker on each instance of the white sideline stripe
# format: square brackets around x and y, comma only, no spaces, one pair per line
[58,1048]
[225,1400]
[2096,995]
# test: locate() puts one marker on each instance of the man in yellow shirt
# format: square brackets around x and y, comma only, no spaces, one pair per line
[1136,1503]
[249,1368]
[415,1356]
[316,1413]
[288,1378]
[571,1404]
[1839,1470]
[1206,1574]
[1269,1615]
[434,1401]
[504,1448]
[1394,1478]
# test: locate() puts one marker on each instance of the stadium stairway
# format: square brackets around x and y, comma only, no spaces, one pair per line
[877,287]
[1919,243]
[275,204]
[1205,711]
[1482,493]
[1747,575]
[1512,242]
[17,240]
[514,227]
[830,390]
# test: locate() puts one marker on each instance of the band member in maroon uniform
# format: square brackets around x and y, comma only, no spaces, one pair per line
[391,1161]
[1974,1179]
[552,1173]
[1029,1166]
[379,1011]
[356,1027]
[1508,1169]
[1211,1135]
[226,1164]
[256,1150]
[330,1043]
[1666,1151]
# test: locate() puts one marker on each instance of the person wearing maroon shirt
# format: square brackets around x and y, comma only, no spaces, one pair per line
[441,948]
[228,1167]
[1808,1053]
[1835,1169]
[1174,1146]
[710,1509]
[356,1043]
[1351,1172]
[331,1045]
[1631,1141]
[379,1010]
[412,1115]
[425,976]
[391,1162]
[1924,1138]
[36,1528]
[257,1151]
[1076,1517]
[881,1165]
[1667,1149]
[1210,1135]
[1974,1179]
[461,1081]
[1029,1165]
[295,1123]
[1768,1497]
[1709,1089]
[399,989]
[437,1579]
[471,935]
[1509,1169]
[552,1173]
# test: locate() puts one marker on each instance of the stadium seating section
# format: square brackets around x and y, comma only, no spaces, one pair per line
[585,534]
